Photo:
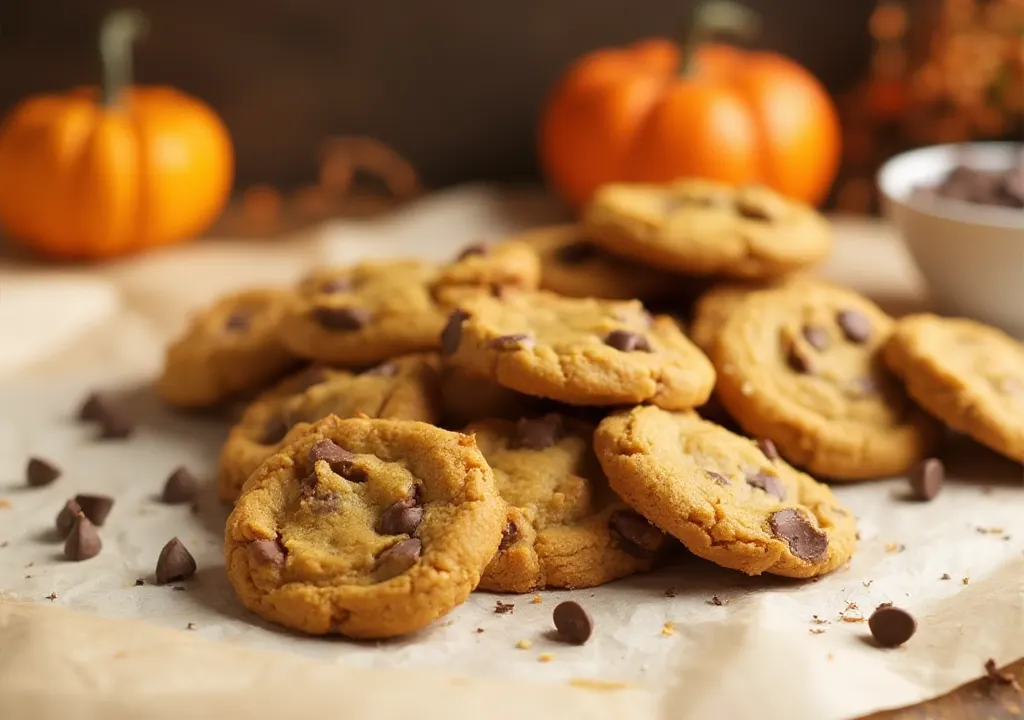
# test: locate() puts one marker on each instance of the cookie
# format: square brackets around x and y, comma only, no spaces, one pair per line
[228,349]
[706,228]
[566,528]
[722,496]
[368,528]
[968,375]
[574,266]
[580,351]
[364,314]
[465,399]
[405,388]
[491,265]
[802,367]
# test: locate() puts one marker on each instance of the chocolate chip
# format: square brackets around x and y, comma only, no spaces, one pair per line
[576,253]
[816,336]
[341,318]
[340,460]
[926,479]
[635,535]
[398,558]
[891,626]
[181,487]
[805,540]
[334,285]
[175,563]
[768,483]
[855,325]
[627,341]
[238,320]
[452,333]
[267,552]
[90,408]
[274,431]
[402,518]
[518,341]
[573,623]
[768,449]
[83,542]
[509,536]
[538,433]
[95,507]
[717,477]
[67,517]
[114,422]
[40,472]
[385,369]
[800,361]
[480,248]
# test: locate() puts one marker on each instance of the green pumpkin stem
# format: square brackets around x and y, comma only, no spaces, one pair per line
[717,17]
[118,33]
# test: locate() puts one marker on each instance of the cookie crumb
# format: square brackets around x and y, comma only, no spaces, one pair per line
[988,530]
[820,621]
[524,644]
[479,630]
[816,631]
[28,577]
[52,596]
[536,600]
[670,593]
[715,600]
[895,547]
[830,656]
[965,580]
[545,657]
[668,629]
[867,583]
[502,608]
[190,626]
[995,675]
[5,504]
[139,582]
[946,576]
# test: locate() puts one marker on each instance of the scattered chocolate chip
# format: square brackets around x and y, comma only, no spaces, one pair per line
[175,563]
[576,253]
[805,541]
[114,422]
[95,507]
[518,341]
[181,487]
[83,542]
[89,411]
[340,460]
[40,472]
[627,341]
[480,248]
[504,608]
[717,477]
[926,479]
[573,622]
[267,552]
[52,596]
[767,447]
[509,536]
[634,534]
[334,285]
[452,333]
[994,674]
[139,582]
[816,336]
[385,369]
[402,518]
[799,360]
[716,601]
[538,433]
[66,517]
[341,318]
[238,321]
[891,626]
[274,431]
[398,558]
[768,483]
[855,325]
[946,576]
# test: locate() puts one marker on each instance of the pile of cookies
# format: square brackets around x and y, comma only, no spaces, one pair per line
[519,419]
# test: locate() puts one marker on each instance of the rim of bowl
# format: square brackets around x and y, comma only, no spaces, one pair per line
[901,174]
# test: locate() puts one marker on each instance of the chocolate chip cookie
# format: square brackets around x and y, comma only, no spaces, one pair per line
[722,495]
[230,348]
[367,528]
[802,366]
[566,528]
[405,388]
[491,266]
[706,228]
[968,375]
[364,314]
[581,351]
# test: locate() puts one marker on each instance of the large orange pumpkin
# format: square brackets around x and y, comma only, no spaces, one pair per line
[654,112]
[98,173]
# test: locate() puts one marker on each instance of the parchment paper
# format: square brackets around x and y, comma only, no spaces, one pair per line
[692,641]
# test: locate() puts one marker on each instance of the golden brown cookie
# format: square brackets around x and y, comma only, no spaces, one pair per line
[405,388]
[722,496]
[364,527]
[465,399]
[229,348]
[581,351]
[566,528]
[706,228]
[802,367]
[968,375]
[490,266]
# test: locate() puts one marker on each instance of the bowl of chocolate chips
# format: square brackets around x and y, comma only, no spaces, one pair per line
[960,210]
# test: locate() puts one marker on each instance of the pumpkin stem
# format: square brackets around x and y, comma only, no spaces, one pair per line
[118,33]
[717,17]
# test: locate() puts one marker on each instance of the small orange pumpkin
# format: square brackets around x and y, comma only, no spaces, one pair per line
[91,175]
[652,112]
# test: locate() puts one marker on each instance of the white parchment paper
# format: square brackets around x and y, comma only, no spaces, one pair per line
[693,641]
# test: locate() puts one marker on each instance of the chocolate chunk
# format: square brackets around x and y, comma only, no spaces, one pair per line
[67,517]
[40,472]
[402,518]
[95,507]
[181,487]
[509,536]
[855,325]
[816,336]
[267,552]
[385,369]
[274,431]
[175,563]
[452,333]
[341,460]
[635,535]
[341,318]
[538,433]
[627,341]
[717,477]
[238,321]
[397,559]
[769,483]
[891,626]
[800,361]
[576,253]
[90,408]
[767,447]
[83,542]
[573,623]
[805,540]
[926,479]
[518,341]
[334,285]
[480,248]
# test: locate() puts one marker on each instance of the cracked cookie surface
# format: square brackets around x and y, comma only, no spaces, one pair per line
[364,527]
[722,496]
[967,374]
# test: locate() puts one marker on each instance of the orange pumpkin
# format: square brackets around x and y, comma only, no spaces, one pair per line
[97,174]
[654,112]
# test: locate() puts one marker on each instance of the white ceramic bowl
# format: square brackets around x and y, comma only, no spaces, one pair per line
[971,256]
